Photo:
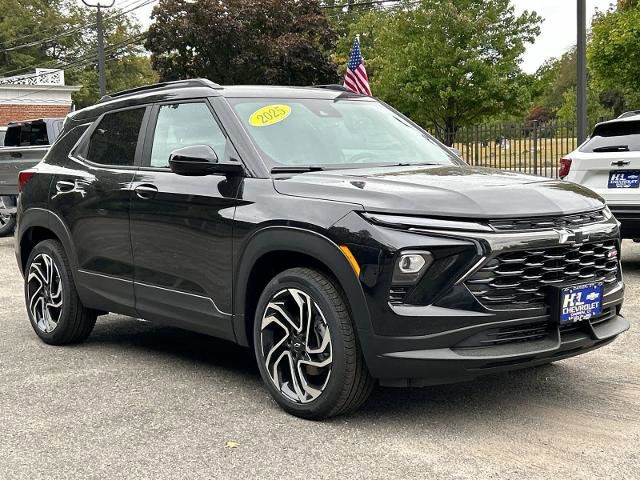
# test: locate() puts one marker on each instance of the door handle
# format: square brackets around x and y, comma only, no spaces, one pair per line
[620,163]
[63,186]
[146,191]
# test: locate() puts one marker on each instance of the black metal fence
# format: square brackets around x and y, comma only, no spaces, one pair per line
[532,147]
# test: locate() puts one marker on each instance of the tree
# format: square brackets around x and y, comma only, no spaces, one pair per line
[127,65]
[614,52]
[554,78]
[61,34]
[284,42]
[595,110]
[27,22]
[448,63]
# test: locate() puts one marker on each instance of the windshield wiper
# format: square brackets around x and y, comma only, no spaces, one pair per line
[296,169]
[612,148]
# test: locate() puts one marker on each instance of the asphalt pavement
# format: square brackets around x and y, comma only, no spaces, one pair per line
[144,401]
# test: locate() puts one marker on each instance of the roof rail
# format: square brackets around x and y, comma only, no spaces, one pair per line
[341,88]
[193,82]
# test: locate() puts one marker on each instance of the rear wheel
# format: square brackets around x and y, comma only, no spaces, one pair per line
[55,311]
[306,347]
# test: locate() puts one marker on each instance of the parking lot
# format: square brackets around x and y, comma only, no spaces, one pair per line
[144,401]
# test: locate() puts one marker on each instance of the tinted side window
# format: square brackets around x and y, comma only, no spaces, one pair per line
[59,152]
[115,139]
[183,125]
[12,138]
[618,136]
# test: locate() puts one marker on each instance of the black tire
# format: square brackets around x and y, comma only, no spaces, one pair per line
[349,383]
[7,224]
[75,322]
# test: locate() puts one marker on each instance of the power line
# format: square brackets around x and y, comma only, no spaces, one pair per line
[51,87]
[78,28]
[358,4]
[90,57]
[75,29]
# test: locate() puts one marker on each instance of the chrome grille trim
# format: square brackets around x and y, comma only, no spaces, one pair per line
[518,279]
[542,223]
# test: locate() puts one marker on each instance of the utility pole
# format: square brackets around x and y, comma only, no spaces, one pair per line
[581,91]
[102,75]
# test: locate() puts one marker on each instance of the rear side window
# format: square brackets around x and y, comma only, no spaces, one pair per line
[614,137]
[114,140]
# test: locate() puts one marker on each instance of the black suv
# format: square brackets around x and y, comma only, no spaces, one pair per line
[320,227]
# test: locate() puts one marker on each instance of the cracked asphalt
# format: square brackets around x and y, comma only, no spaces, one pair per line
[144,401]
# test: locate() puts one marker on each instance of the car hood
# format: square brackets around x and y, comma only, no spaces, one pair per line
[445,191]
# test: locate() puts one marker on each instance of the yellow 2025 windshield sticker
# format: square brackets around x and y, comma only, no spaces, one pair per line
[269,115]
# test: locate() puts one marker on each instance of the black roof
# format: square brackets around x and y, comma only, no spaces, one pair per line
[198,88]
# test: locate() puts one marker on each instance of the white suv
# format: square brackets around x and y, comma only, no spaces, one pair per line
[609,164]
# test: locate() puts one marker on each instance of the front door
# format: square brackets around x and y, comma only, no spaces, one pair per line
[181,226]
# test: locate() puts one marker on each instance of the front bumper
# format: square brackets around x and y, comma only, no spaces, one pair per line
[420,361]
[629,218]
[454,335]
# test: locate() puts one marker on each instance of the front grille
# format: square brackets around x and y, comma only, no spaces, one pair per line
[519,279]
[541,223]
[528,332]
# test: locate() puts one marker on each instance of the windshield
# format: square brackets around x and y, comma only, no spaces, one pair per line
[333,133]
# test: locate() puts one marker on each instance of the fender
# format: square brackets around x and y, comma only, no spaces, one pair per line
[271,239]
[40,217]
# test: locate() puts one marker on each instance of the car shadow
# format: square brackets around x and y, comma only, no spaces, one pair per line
[209,352]
[492,394]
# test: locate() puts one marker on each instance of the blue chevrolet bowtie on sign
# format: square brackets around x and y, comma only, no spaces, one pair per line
[580,302]
[629,179]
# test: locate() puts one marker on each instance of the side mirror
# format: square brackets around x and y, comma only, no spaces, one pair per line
[200,160]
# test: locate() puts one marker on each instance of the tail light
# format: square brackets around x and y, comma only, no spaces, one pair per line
[24,177]
[565,166]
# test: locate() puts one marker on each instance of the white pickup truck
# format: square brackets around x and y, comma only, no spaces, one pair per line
[25,144]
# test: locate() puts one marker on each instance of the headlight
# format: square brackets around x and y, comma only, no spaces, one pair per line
[410,266]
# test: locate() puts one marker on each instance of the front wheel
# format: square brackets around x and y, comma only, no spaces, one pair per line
[306,347]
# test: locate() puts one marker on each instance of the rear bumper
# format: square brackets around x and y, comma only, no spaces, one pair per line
[629,218]
[413,361]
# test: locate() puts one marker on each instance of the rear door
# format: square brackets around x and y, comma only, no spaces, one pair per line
[92,195]
[182,226]
[609,162]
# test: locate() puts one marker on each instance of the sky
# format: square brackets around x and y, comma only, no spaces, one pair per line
[558,30]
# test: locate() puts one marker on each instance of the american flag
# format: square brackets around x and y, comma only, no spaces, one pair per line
[356,77]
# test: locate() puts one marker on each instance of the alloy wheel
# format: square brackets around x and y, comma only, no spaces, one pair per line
[44,293]
[296,345]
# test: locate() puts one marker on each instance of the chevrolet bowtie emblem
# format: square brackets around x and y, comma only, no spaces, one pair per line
[570,236]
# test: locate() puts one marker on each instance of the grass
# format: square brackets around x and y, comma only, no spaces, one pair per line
[520,154]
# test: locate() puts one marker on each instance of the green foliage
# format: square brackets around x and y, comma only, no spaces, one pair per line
[614,51]
[555,77]
[595,111]
[63,32]
[448,63]
[284,42]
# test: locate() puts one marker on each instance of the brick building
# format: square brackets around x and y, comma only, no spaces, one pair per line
[42,94]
